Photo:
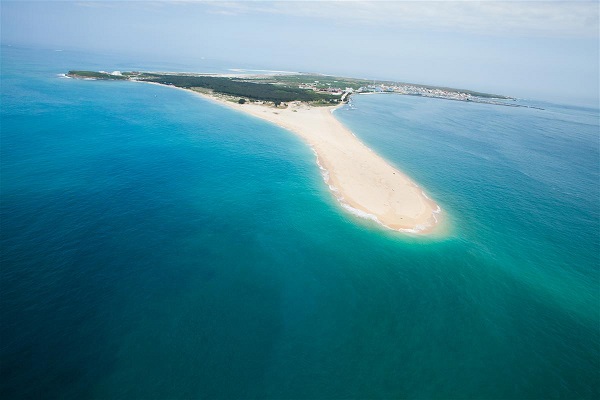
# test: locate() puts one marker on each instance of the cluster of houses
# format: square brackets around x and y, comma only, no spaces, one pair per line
[416,91]
[315,86]
[395,88]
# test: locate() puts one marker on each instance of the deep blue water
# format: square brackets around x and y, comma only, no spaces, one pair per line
[156,245]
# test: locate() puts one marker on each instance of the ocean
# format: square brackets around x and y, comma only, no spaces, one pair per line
[158,245]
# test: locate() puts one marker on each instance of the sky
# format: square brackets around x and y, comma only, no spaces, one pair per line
[546,50]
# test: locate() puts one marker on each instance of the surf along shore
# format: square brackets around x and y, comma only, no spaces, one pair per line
[362,181]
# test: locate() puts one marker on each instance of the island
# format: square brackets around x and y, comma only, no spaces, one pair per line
[363,182]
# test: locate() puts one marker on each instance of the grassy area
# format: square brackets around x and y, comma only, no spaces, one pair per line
[280,88]
[96,75]
[255,90]
[319,81]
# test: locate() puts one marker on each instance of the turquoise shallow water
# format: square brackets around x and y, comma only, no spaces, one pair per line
[156,245]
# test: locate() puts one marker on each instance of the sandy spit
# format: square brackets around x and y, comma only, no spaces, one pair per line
[362,181]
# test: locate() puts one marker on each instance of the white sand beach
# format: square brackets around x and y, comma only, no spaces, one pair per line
[363,182]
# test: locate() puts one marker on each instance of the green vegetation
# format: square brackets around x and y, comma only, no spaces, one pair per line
[314,88]
[319,81]
[96,75]
[241,88]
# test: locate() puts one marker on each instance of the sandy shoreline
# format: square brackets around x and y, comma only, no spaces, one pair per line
[363,182]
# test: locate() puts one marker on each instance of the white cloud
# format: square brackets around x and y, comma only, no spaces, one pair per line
[547,18]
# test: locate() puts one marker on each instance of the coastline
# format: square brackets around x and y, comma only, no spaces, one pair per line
[363,183]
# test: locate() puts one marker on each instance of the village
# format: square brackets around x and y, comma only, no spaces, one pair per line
[406,89]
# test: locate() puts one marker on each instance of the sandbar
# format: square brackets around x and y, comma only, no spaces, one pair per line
[362,181]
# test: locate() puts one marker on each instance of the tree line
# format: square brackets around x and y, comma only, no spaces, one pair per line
[234,87]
